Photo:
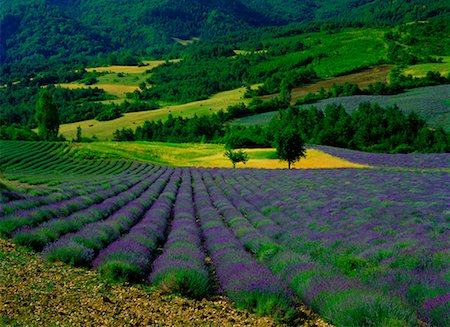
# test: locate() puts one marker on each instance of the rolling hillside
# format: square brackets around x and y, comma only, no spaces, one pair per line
[37,29]
[431,103]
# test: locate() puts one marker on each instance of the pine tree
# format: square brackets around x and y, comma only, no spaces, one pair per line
[47,116]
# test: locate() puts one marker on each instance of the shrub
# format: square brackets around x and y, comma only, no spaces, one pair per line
[69,252]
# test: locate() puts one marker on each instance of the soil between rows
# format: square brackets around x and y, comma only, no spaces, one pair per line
[37,293]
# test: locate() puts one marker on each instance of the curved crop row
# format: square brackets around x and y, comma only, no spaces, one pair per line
[52,230]
[241,277]
[63,191]
[30,158]
[36,150]
[317,283]
[13,150]
[129,258]
[33,217]
[79,248]
[181,266]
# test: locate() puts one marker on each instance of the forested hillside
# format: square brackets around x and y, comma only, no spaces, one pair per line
[58,31]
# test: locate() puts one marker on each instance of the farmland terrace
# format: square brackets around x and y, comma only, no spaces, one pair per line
[358,246]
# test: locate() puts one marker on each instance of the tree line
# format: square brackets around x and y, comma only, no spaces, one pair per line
[370,128]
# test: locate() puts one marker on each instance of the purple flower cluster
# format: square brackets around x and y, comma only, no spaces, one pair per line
[240,276]
[130,256]
[355,220]
[436,311]
[97,235]
[52,230]
[361,246]
[415,160]
[181,267]
[35,216]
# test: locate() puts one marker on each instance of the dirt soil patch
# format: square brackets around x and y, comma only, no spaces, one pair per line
[36,293]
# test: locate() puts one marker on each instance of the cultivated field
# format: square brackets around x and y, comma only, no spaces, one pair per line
[360,246]
[119,80]
[431,103]
[420,70]
[202,155]
[148,65]
[104,130]
[362,78]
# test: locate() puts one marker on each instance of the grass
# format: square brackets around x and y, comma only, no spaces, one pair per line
[363,78]
[128,69]
[205,155]
[344,51]
[349,50]
[119,80]
[118,90]
[420,70]
[104,130]
[430,103]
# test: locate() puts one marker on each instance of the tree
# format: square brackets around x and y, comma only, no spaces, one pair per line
[290,145]
[47,116]
[78,139]
[286,87]
[236,156]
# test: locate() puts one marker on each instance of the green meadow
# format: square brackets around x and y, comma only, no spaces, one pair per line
[200,155]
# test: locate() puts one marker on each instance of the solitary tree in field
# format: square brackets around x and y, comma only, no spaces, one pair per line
[47,116]
[290,145]
[236,156]
[78,139]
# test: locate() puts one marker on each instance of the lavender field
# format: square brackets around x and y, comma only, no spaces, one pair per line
[362,247]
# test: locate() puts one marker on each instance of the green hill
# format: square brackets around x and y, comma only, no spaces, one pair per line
[58,30]
[430,103]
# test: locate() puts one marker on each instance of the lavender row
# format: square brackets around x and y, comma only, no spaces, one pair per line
[80,247]
[59,193]
[10,150]
[26,158]
[253,241]
[129,257]
[351,220]
[181,267]
[414,160]
[248,203]
[30,154]
[52,230]
[33,217]
[240,276]
[43,160]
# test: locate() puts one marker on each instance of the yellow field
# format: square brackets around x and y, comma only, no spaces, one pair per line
[128,69]
[118,90]
[205,155]
[104,130]
[421,70]
[119,86]
[186,42]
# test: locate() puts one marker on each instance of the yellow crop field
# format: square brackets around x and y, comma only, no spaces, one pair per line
[104,130]
[128,69]
[118,90]
[205,155]
[420,70]
[114,85]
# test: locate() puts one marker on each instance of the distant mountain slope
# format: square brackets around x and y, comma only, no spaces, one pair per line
[38,30]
